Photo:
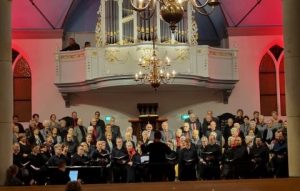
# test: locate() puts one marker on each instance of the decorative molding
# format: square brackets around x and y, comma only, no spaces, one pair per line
[194,32]
[72,56]
[37,34]
[182,54]
[255,31]
[220,53]
[67,89]
[98,30]
[120,80]
[111,56]
[146,53]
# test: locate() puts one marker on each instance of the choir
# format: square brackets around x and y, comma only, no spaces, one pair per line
[240,148]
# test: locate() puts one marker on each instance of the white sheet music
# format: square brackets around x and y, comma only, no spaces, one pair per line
[144,159]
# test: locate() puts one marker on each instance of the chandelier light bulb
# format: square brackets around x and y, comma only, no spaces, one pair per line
[179,1]
[173,73]
[140,3]
[168,61]
[168,76]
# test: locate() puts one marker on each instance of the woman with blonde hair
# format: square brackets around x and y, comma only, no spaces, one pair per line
[128,138]
[133,137]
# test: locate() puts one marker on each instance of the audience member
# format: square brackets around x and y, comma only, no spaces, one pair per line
[11,177]
[87,44]
[16,122]
[72,45]
[73,186]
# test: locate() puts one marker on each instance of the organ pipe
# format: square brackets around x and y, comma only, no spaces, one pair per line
[144,26]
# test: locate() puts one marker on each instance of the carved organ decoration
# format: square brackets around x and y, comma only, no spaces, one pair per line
[119,24]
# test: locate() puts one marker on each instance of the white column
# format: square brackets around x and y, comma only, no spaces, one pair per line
[103,21]
[6,93]
[189,22]
[158,40]
[120,4]
[291,15]
[135,31]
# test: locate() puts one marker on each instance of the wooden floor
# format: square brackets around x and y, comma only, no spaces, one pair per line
[290,184]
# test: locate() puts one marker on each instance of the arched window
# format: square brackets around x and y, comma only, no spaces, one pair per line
[271,82]
[267,84]
[22,87]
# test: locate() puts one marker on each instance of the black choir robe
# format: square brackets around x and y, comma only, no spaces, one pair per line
[119,159]
[102,159]
[259,158]
[172,159]
[77,160]
[188,158]
[212,157]
[132,171]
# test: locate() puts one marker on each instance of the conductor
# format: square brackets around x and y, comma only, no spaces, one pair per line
[157,158]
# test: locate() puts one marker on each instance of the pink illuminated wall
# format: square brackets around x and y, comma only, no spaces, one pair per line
[267,13]
[25,16]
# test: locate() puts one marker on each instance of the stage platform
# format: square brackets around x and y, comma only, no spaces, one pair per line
[290,184]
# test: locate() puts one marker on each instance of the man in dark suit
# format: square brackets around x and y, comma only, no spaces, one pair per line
[114,129]
[16,122]
[206,121]
[72,45]
[99,122]
[96,131]
[194,123]
[74,119]
[36,119]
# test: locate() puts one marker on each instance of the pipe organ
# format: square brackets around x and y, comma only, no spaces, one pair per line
[123,36]
[119,24]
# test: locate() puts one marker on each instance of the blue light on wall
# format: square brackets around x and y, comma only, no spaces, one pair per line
[107,118]
[183,117]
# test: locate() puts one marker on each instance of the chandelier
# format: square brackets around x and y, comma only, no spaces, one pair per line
[154,70]
[172,11]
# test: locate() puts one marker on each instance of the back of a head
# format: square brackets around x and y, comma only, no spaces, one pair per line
[73,186]
[12,171]
[157,135]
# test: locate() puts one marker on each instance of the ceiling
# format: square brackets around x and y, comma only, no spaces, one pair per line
[81,15]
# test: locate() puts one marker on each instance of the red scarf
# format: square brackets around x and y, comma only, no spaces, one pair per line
[95,133]
[131,153]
